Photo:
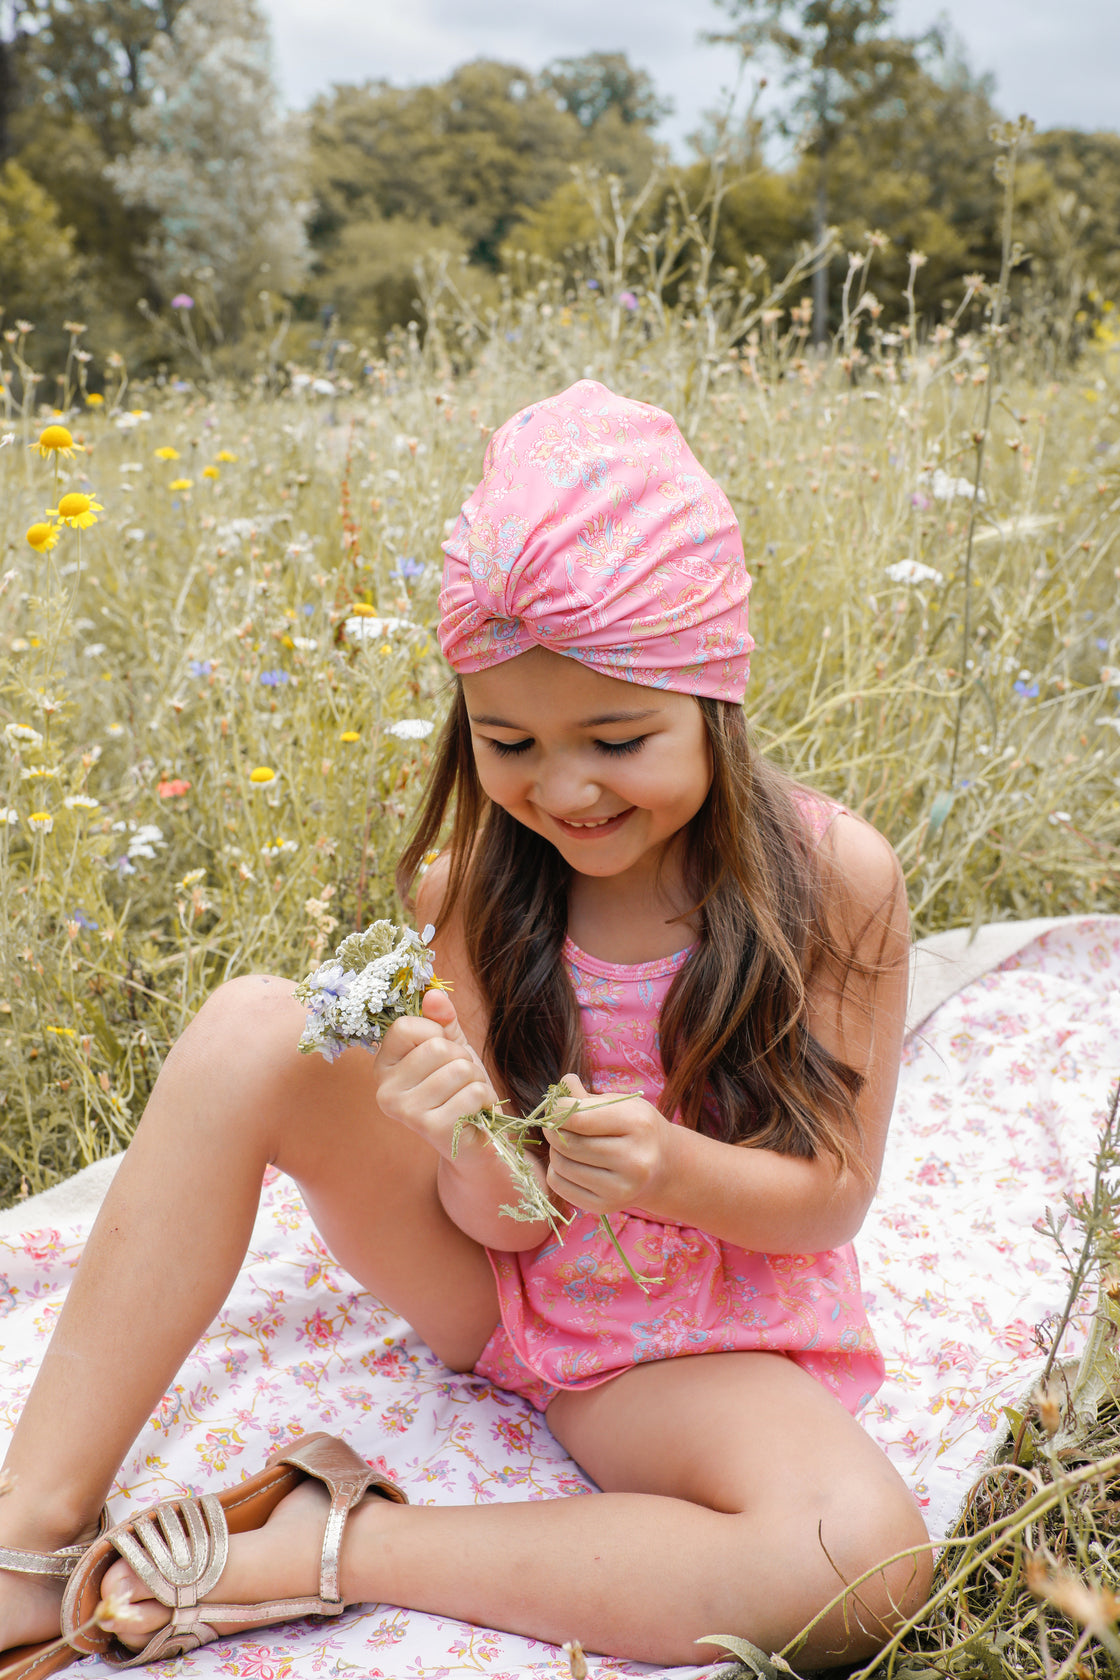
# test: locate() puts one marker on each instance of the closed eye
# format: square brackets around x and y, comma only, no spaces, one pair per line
[616,749]
[509,749]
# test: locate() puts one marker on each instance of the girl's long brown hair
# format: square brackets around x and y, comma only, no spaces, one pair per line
[740,1061]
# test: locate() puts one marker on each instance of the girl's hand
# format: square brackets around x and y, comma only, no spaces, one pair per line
[428,1075]
[610,1155]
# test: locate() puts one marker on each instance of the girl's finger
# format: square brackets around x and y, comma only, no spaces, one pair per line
[575,1146]
[578,1175]
[605,1118]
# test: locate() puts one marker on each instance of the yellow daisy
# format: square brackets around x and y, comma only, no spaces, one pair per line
[167,453]
[43,535]
[180,484]
[77,510]
[54,440]
[261,775]
[211,472]
[349,735]
[226,455]
[94,399]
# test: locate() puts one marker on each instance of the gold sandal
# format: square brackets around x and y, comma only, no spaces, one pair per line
[45,1656]
[179,1549]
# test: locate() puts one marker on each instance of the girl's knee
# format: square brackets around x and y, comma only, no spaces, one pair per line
[883,1538]
[248,1027]
[260,1005]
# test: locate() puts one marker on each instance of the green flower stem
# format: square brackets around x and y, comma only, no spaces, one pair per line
[508,1134]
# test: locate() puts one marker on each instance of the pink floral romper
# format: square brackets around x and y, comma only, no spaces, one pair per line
[572,1317]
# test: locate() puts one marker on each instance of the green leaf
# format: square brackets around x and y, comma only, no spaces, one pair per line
[766,1668]
[939,810]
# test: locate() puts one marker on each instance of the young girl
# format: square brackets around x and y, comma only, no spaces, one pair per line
[632,900]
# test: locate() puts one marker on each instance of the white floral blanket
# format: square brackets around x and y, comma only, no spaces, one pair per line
[1003,1090]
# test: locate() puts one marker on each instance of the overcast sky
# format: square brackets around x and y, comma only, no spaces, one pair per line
[1057,60]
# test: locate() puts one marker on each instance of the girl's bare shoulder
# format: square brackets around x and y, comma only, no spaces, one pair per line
[862,877]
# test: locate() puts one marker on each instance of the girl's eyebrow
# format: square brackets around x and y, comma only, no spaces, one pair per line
[587,723]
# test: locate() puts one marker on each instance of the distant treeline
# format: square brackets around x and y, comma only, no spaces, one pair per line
[144,158]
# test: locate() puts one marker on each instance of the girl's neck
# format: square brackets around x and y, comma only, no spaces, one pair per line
[623,920]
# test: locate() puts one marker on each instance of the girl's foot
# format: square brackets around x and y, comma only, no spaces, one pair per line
[29,1609]
[279,1560]
[30,1604]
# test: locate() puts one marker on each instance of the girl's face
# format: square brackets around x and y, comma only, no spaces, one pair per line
[608,771]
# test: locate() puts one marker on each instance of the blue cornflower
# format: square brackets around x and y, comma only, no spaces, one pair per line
[1026,691]
[1102,644]
[83,921]
[408,568]
[275,679]
[199,667]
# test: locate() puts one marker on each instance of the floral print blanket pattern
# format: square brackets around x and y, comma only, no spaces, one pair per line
[1002,1094]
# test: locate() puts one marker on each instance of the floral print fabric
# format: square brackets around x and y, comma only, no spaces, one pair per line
[595,531]
[1000,1102]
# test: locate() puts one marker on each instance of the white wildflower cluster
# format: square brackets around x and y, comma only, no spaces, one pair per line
[361,628]
[411,729]
[143,839]
[913,571]
[374,978]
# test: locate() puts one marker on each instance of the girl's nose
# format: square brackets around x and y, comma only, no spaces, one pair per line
[564,787]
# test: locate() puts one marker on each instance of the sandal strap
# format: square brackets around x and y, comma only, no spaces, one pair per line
[347,1479]
[178,1548]
[20,1560]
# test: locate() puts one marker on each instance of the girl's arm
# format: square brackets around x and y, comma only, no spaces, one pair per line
[431,1073]
[628,1155]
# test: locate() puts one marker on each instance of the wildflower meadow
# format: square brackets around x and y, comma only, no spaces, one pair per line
[220,678]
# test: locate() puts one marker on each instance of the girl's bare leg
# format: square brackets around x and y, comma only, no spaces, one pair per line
[738,1498]
[233,1096]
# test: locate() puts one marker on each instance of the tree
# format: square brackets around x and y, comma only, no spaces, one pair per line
[69,85]
[81,59]
[468,154]
[40,274]
[598,83]
[838,60]
[401,173]
[214,161]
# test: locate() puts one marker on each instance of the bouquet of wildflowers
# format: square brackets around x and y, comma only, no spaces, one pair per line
[374,978]
[377,976]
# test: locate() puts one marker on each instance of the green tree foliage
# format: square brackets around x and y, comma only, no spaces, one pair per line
[838,60]
[1079,226]
[213,162]
[397,173]
[71,73]
[40,273]
[599,84]
[915,162]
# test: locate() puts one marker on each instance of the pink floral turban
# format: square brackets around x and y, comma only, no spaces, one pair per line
[597,533]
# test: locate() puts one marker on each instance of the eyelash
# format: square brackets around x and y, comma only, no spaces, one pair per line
[613,749]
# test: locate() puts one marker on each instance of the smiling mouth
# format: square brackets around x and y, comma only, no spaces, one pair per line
[596,827]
